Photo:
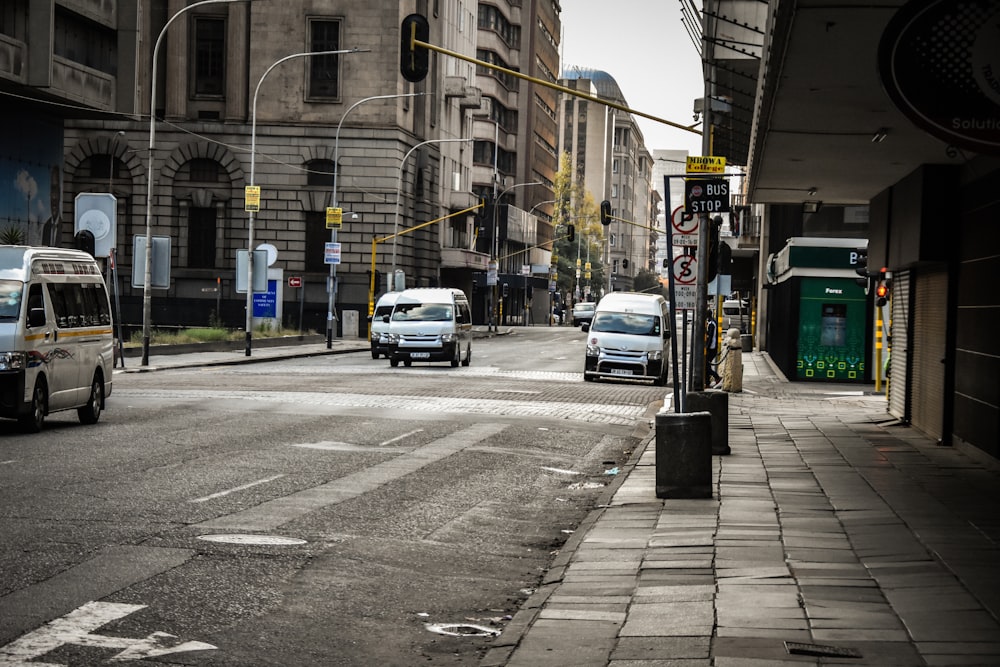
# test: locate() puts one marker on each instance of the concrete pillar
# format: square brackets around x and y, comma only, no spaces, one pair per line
[732,367]
[684,455]
[715,403]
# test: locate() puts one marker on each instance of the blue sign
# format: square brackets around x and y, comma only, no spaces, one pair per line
[265,304]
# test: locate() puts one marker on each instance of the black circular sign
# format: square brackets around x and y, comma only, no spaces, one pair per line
[939,61]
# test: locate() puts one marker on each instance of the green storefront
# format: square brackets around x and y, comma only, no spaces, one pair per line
[832,330]
[827,334]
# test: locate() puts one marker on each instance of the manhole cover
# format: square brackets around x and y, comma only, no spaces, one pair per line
[461,630]
[269,540]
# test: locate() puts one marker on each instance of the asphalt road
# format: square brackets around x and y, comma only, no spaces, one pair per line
[320,511]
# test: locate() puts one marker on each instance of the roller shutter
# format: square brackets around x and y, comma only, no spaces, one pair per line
[930,309]
[900,314]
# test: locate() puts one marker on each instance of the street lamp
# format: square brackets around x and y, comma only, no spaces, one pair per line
[332,287]
[253,162]
[147,301]
[399,190]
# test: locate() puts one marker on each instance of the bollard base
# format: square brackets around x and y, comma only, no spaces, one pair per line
[717,404]
[684,455]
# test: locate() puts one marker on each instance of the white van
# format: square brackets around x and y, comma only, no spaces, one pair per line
[56,341]
[629,338]
[379,326]
[430,324]
[736,315]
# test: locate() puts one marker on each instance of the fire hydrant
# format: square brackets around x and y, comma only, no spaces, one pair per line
[732,368]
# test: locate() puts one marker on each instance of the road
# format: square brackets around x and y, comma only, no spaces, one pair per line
[321,511]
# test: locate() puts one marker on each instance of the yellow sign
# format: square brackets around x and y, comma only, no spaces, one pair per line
[251,197]
[334,217]
[706,164]
[587,266]
[586,275]
[578,262]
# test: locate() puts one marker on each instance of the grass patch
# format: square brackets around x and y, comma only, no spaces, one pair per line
[206,335]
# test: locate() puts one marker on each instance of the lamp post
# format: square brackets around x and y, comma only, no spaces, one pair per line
[332,287]
[399,189]
[496,241]
[147,301]
[253,162]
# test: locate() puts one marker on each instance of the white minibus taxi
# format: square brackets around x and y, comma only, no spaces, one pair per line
[56,340]
[430,324]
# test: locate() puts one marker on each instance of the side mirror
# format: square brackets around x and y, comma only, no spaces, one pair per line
[584,327]
[385,318]
[36,317]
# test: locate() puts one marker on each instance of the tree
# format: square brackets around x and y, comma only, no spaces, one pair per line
[649,282]
[574,205]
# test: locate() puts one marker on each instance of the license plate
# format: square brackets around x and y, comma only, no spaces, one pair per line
[621,371]
[420,355]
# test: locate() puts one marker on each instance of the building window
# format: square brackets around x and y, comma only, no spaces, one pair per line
[319,173]
[209,56]
[324,71]
[614,190]
[614,166]
[201,238]
[203,170]
[317,236]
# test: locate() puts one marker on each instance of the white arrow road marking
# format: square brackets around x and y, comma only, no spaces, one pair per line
[75,628]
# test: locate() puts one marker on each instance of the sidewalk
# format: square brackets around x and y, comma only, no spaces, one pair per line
[834,536]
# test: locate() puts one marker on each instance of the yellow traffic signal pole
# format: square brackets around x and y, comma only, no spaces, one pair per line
[554,86]
[376,241]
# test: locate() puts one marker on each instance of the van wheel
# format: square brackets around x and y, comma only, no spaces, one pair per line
[660,381]
[457,357]
[588,378]
[407,363]
[374,352]
[468,356]
[91,412]
[393,361]
[32,422]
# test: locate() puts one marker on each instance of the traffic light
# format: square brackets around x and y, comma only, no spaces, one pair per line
[881,294]
[861,268]
[605,212]
[84,240]
[506,290]
[414,61]
[725,259]
[713,248]
[571,232]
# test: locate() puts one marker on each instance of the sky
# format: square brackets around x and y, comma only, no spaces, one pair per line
[644,46]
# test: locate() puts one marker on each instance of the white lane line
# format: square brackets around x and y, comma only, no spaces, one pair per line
[400,437]
[7,463]
[235,489]
[273,513]
[560,471]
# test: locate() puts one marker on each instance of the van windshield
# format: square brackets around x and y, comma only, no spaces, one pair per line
[626,323]
[421,312]
[11,292]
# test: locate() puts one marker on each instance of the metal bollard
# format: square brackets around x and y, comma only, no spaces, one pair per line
[684,455]
[716,403]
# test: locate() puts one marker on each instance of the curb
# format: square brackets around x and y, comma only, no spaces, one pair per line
[499,653]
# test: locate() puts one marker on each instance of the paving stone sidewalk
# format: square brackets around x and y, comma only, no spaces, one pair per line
[835,535]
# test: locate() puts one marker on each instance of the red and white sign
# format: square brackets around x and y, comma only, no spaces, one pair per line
[685,228]
[685,269]
[295,281]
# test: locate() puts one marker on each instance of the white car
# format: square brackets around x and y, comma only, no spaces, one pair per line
[583,311]
[379,325]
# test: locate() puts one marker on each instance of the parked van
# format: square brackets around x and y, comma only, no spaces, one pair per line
[430,324]
[629,338]
[379,326]
[56,341]
[736,315]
